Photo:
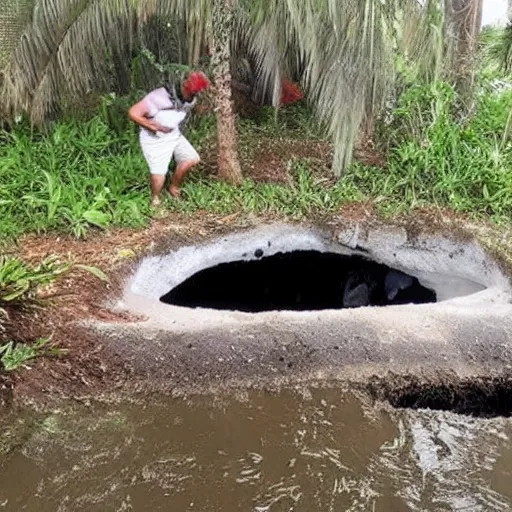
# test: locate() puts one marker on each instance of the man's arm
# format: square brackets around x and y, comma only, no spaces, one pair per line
[138,113]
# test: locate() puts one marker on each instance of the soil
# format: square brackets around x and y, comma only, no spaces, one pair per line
[81,295]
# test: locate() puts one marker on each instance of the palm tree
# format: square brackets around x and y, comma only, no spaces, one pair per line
[342,52]
[464,20]
[14,15]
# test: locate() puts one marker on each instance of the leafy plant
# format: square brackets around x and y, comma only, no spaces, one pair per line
[19,283]
[75,177]
[16,355]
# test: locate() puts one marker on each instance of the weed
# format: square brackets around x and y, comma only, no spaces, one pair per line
[16,356]
[73,177]
[436,159]
[20,283]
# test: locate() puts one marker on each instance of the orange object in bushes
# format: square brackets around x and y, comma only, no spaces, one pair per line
[291,93]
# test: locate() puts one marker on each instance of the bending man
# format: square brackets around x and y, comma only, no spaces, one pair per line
[160,115]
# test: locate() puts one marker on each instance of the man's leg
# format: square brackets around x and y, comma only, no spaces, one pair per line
[158,154]
[181,171]
[157,185]
[186,158]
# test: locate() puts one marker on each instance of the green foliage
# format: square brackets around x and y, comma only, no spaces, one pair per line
[19,282]
[73,177]
[14,356]
[76,177]
[435,159]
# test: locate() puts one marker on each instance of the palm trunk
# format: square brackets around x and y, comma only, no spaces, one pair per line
[14,15]
[464,19]
[228,162]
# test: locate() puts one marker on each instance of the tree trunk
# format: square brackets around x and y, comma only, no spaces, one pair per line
[195,41]
[228,162]
[464,19]
[14,15]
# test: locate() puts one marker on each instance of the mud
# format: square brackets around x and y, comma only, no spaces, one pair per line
[299,450]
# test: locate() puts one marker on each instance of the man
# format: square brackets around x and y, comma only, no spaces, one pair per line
[160,115]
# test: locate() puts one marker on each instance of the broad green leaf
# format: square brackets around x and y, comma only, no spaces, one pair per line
[97,218]
[94,271]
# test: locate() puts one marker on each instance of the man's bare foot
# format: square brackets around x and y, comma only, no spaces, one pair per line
[175,192]
[155,202]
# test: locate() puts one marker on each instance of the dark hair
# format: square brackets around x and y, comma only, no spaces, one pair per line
[174,91]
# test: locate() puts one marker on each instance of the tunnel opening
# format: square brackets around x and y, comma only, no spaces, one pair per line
[298,281]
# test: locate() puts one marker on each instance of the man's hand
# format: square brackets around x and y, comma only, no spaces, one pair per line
[138,114]
[157,127]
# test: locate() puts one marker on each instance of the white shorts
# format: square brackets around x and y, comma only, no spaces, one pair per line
[159,151]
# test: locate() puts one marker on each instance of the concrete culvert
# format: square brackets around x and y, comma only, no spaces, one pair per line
[456,320]
[296,269]
[298,280]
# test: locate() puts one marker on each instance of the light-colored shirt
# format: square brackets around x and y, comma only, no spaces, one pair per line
[166,110]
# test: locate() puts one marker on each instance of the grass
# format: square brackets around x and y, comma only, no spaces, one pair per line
[76,176]
[464,165]
[20,287]
[21,283]
[90,174]
[15,356]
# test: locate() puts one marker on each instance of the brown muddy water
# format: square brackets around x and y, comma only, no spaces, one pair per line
[296,450]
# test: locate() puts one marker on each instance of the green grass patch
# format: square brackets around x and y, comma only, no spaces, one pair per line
[435,159]
[14,356]
[90,174]
[76,176]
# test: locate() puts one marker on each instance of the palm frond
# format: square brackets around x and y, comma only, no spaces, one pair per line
[342,52]
[422,39]
[63,51]
[496,47]
[345,52]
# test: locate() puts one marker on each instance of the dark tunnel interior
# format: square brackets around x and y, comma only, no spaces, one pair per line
[298,281]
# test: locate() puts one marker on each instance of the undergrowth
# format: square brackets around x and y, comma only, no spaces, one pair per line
[91,174]
[21,285]
[14,356]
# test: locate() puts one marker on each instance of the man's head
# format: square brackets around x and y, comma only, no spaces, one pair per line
[194,84]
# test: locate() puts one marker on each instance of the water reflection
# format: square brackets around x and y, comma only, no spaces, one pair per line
[320,450]
[442,461]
